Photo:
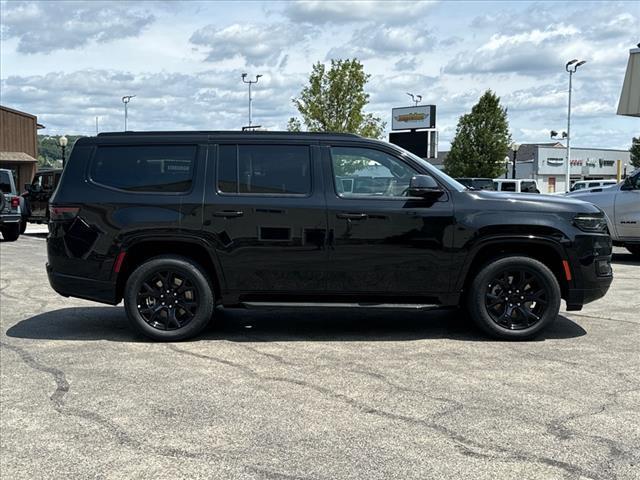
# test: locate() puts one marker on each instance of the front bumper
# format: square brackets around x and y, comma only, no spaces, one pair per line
[590,264]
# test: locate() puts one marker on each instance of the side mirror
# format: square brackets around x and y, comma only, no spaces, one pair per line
[424,186]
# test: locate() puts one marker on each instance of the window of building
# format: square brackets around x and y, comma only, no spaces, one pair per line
[264,169]
[145,168]
[367,172]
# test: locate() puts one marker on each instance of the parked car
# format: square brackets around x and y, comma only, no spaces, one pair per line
[37,195]
[237,219]
[621,205]
[515,185]
[585,184]
[10,212]
[477,183]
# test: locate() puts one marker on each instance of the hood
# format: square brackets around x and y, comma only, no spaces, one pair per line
[530,202]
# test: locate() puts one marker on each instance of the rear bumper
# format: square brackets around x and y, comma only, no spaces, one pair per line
[81,287]
[10,218]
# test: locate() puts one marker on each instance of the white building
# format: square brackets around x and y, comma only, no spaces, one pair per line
[545,162]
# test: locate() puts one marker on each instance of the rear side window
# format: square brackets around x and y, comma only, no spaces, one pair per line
[508,187]
[264,169]
[5,182]
[145,168]
[528,187]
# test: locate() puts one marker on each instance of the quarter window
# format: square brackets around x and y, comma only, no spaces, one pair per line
[364,172]
[145,168]
[264,169]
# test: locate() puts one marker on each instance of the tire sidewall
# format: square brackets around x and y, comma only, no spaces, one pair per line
[478,309]
[196,275]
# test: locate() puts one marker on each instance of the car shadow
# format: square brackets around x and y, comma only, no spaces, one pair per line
[625,259]
[278,325]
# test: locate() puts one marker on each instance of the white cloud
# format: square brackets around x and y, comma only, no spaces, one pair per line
[257,44]
[390,12]
[43,27]
[376,41]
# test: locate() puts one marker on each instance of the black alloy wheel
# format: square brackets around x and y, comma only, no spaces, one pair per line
[516,298]
[167,300]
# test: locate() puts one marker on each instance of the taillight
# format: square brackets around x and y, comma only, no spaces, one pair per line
[15,202]
[58,213]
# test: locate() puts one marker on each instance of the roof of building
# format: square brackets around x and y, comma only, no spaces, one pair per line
[16,157]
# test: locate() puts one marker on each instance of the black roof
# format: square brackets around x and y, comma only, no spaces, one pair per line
[229,133]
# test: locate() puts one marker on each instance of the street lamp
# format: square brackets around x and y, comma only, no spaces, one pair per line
[571,67]
[126,99]
[415,98]
[62,141]
[250,82]
[514,148]
[507,161]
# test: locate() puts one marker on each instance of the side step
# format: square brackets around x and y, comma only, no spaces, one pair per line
[396,306]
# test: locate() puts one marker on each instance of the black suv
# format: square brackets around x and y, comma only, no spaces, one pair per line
[177,223]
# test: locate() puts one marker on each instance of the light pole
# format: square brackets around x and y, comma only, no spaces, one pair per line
[415,98]
[514,148]
[507,161]
[571,68]
[126,99]
[62,141]
[250,82]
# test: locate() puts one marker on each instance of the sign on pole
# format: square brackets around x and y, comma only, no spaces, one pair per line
[411,118]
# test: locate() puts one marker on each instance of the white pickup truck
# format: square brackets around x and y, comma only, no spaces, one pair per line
[621,204]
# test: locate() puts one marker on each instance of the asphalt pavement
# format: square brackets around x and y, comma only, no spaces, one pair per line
[313,394]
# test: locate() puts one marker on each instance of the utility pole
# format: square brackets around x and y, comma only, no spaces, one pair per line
[571,68]
[126,99]
[96,125]
[250,82]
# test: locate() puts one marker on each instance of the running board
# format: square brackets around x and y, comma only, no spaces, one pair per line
[397,306]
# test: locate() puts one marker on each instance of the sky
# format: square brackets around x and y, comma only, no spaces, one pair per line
[69,62]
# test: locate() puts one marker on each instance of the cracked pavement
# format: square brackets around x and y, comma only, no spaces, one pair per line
[313,394]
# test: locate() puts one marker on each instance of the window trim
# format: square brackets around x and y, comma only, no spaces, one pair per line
[368,197]
[194,171]
[272,195]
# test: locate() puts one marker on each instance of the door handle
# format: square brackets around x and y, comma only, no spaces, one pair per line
[228,213]
[352,216]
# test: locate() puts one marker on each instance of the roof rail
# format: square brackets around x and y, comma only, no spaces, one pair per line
[225,132]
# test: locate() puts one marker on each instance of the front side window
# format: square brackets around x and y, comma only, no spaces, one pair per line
[145,168]
[264,169]
[364,172]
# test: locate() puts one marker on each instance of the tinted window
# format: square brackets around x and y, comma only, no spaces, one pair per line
[264,169]
[508,187]
[483,184]
[528,187]
[5,182]
[145,168]
[366,172]
[594,184]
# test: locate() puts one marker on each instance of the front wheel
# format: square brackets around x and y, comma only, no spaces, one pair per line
[514,298]
[169,298]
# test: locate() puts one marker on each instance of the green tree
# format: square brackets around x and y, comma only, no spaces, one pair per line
[334,101]
[635,152]
[481,141]
[49,151]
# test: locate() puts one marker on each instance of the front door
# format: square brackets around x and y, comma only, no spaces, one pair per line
[266,214]
[627,209]
[381,241]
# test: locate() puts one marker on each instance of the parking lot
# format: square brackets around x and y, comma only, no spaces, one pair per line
[329,394]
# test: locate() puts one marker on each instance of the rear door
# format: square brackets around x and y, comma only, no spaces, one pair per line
[382,243]
[627,210]
[265,210]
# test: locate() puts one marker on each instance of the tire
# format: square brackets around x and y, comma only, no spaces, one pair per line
[166,279]
[516,279]
[634,249]
[11,232]
[23,226]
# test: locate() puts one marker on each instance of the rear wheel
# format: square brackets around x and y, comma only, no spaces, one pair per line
[169,298]
[514,298]
[634,249]
[11,232]
[23,226]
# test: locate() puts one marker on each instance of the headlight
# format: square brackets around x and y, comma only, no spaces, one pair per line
[590,222]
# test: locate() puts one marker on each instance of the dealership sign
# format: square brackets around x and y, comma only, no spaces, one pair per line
[411,118]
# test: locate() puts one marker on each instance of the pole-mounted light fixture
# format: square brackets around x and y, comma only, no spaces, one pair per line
[250,82]
[571,67]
